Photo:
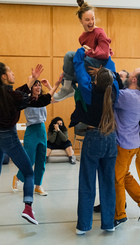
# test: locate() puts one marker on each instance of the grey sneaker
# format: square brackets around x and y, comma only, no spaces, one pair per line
[64,94]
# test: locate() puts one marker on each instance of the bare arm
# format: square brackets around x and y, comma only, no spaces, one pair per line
[52,91]
[46,83]
[35,75]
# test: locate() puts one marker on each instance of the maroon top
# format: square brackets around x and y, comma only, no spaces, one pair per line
[98,41]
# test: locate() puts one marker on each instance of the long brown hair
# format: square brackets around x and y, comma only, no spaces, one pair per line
[83,7]
[104,80]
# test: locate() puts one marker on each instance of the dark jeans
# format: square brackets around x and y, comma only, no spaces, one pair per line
[68,66]
[98,153]
[10,144]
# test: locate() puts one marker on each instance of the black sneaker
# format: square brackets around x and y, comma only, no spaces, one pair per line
[72,161]
[119,221]
[97,209]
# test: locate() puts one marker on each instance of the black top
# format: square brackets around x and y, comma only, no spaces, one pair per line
[93,114]
[21,100]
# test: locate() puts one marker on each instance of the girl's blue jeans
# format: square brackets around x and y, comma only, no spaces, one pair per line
[10,144]
[68,67]
[98,154]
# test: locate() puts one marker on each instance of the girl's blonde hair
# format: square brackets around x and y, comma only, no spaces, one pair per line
[104,80]
[83,7]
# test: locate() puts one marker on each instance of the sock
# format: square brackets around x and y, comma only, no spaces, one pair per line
[67,84]
[28,203]
[70,158]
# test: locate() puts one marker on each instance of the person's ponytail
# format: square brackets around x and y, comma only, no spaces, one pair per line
[107,123]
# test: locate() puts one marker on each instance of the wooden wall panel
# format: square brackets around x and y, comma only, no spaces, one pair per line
[25,30]
[66,30]
[21,66]
[32,34]
[127,64]
[101,18]
[123,28]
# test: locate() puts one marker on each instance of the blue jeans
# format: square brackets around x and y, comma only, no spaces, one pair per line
[10,144]
[35,144]
[68,67]
[98,153]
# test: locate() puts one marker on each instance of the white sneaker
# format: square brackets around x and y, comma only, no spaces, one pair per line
[113,229]
[79,232]
[64,94]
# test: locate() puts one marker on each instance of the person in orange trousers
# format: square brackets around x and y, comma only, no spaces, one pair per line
[127,116]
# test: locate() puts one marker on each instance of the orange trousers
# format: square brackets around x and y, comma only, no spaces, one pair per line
[138,162]
[124,180]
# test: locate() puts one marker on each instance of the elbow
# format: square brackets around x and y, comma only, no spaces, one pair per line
[106,56]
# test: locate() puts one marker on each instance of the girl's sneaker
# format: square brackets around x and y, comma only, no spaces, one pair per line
[39,190]
[15,183]
[113,229]
[79,232]
[28,215]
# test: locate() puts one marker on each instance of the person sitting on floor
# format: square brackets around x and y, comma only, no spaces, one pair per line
[58,138]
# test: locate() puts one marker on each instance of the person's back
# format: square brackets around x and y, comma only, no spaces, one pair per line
[127,116]
[99,148]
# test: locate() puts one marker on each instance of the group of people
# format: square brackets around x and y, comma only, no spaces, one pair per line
[11,103]
[112,118]
[36,132]
[109,107]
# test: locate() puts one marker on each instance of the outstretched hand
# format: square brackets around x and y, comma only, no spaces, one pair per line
[35,75]
[37,71]
[60,79]
[46,83]
[93,71]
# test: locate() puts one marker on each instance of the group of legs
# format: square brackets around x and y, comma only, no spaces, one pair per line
[124,181]
[37,153]
[21,159]
[67,146]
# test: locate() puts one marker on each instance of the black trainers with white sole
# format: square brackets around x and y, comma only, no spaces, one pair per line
[119,222]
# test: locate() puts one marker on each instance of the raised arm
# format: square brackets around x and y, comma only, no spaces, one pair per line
[54,88]
[83,78]
[35,75]
[46,83]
